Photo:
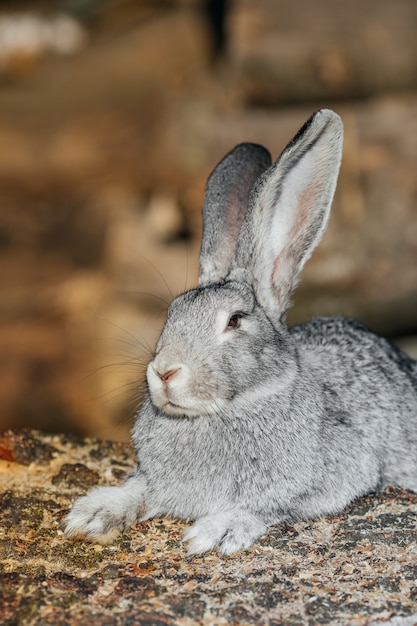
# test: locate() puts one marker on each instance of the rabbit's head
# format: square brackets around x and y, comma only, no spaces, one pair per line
[227,337]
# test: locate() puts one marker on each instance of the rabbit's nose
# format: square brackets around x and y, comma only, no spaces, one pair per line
[168,375]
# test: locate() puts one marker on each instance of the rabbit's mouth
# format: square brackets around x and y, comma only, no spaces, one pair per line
[192,408]
[174,409]
[165,400]
[174,406]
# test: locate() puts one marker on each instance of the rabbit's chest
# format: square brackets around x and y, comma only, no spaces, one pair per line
[191,465]
[188,452]
[194,466]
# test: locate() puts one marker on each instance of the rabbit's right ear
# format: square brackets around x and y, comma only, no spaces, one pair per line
[288,212]
[225,206]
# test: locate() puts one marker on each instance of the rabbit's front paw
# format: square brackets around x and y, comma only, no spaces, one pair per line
[228,532]
[101,514]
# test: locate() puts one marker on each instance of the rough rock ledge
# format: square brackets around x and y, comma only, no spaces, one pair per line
[357,568]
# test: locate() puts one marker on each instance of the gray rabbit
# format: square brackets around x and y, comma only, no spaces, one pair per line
[249,423]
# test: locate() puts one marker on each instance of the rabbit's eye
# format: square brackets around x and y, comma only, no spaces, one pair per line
[234,321]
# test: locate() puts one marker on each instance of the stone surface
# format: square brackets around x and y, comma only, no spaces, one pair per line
[352,569]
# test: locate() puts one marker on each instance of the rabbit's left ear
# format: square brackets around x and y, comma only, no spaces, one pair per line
[225,206]
[288,212]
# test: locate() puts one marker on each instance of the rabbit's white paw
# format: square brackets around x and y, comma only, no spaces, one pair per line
[104,512]
[228,532]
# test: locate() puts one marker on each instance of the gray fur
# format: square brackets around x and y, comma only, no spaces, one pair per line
[248,423]
[225,206]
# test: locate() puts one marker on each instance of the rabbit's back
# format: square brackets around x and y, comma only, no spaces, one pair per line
[372,384]
[352,349]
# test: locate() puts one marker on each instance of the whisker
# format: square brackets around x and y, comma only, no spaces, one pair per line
[143,344]
[162,277]
[132,401]
[187,258]
[148,295]
[134,364]
[126,343]
[115,393]
[122,421]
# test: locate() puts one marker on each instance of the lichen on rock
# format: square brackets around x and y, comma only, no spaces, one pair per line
[356,568]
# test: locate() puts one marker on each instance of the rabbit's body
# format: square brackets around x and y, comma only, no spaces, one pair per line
[342,445]
[370,387]
[248,423]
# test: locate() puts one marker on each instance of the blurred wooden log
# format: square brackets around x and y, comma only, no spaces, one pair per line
[103,164]
[92,258]
[286,53]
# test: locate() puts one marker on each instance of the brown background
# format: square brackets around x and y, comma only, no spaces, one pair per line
[103,160]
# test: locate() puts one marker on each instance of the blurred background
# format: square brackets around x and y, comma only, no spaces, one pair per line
[113,113]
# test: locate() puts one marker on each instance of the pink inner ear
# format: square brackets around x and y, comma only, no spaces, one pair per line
[235,214]
[300,237]
[283,277]
[305,218]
